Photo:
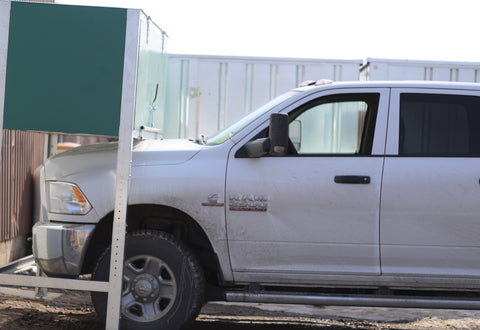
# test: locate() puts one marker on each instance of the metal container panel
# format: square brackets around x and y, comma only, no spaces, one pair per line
[386,69]
[22,153]
[211,92]
[151,75]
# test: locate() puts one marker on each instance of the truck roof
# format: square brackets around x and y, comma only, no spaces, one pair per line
[325,84]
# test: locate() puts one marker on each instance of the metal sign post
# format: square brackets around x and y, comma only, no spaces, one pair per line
[124,159]
[4,25]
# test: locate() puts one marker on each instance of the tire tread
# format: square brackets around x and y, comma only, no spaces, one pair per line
[199,285]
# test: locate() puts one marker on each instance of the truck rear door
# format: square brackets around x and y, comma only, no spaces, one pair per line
[430,208]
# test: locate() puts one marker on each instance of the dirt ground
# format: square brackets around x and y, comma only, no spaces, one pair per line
[73,309]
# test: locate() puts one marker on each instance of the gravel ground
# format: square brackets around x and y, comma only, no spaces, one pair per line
[73,309]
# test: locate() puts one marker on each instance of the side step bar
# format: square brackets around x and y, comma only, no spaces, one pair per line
[17,265]
[353,300]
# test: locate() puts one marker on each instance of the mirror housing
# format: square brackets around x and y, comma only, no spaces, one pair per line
[278,134]
[277,142]
[257,148]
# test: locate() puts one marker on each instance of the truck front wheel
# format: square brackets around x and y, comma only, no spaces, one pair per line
[163,284]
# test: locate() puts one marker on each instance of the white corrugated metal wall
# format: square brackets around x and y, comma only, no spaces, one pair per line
[207,93]
[386,69]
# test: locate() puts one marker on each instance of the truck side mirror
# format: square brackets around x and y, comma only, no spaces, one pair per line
[278,134]
[277,142]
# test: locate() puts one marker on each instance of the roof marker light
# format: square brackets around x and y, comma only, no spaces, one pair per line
[315,83]
[307,83]
[323,82]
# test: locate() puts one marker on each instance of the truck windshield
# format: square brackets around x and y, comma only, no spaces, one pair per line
[232,130]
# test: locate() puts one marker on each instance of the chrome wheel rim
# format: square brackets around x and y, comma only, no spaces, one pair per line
[149,288]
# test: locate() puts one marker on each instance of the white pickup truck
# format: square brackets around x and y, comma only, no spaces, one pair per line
[362,193]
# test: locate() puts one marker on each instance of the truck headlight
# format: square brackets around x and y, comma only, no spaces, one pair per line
[64,197]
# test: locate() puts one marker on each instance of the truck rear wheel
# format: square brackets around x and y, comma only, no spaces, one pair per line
[163,284]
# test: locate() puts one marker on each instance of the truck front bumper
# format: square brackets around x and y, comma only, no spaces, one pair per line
[59,248]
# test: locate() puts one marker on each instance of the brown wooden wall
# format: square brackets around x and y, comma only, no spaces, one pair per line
[22,153]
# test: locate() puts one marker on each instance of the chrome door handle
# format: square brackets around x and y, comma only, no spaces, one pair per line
[352,179]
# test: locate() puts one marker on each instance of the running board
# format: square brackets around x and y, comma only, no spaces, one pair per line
[18,265]
[353,300]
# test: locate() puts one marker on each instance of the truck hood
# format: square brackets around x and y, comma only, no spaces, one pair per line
[104,156]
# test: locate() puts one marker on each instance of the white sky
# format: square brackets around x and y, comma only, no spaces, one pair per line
[329,29]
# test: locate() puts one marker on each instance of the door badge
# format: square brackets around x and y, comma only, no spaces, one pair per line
[212,201]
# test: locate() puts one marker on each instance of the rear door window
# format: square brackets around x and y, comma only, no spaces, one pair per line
[439,125]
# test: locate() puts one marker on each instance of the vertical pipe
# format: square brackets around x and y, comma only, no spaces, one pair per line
[338,72]
[454,74]
[270,87]
[300,74]
[186,107]
[197,112]
[225,97]
[184,98]
[252,86]
[249,85]
[274,81]
[180,100]
[277,81]
[335,128]
[222,99]
[219,96]
[245,90]
[428,73]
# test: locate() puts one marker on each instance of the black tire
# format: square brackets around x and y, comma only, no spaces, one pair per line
[163,284]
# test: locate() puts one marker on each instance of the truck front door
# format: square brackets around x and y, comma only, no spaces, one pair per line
[314,211]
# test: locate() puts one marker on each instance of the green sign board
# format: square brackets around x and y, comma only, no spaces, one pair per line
[64,68]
